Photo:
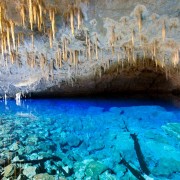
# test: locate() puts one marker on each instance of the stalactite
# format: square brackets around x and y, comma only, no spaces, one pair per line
[34,10]
[79,56]
[32,40]
[72,20]
[79,17]
[112,40]
[12,33]
[163,31]
[60,58]
[89,49]
[65,49]
[74,57]
[101,54]
[96,45]
[154,52]
[71,57]
[86,38]
[2,16]
[175,58]
[140,21]
[30,13]
[118,59]
[18,40]
[52,19]
[133,35]
[22,14]
[50,38]
[8,38]
[4,42]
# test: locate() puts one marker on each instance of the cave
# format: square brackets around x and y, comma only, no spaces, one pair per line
[89,89]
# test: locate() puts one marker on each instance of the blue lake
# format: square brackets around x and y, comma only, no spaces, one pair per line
[90,139]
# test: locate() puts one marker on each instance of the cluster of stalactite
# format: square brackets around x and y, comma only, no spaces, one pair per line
[35,15]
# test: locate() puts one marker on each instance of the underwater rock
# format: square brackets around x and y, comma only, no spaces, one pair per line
[107,176]
[73,141]
[32,140]
[22,177]
[44,176]
[14,147]
[173,129]
[166,167]
[16,158]
[94,169]
[29,171]
[9,170]
[80,167]
[2,162]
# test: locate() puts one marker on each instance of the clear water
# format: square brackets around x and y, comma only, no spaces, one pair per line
[88,138]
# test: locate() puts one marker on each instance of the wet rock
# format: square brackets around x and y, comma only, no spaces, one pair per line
[173,129]
[9,170]
[29,171]
[166,167]
[44,176]
[94,169]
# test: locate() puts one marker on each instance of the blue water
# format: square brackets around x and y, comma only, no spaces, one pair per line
[75,133]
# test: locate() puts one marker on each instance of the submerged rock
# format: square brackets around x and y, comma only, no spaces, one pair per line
[173,129]
[94,169]
[166,167]
[29,171]
[107,176]
[44,176]
[9,170]
[22,177]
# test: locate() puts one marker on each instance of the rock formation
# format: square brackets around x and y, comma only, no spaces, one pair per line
[86,46]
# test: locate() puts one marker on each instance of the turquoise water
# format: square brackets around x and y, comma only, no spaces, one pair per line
[90,139]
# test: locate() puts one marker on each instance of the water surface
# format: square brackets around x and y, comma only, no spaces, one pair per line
[92,138]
